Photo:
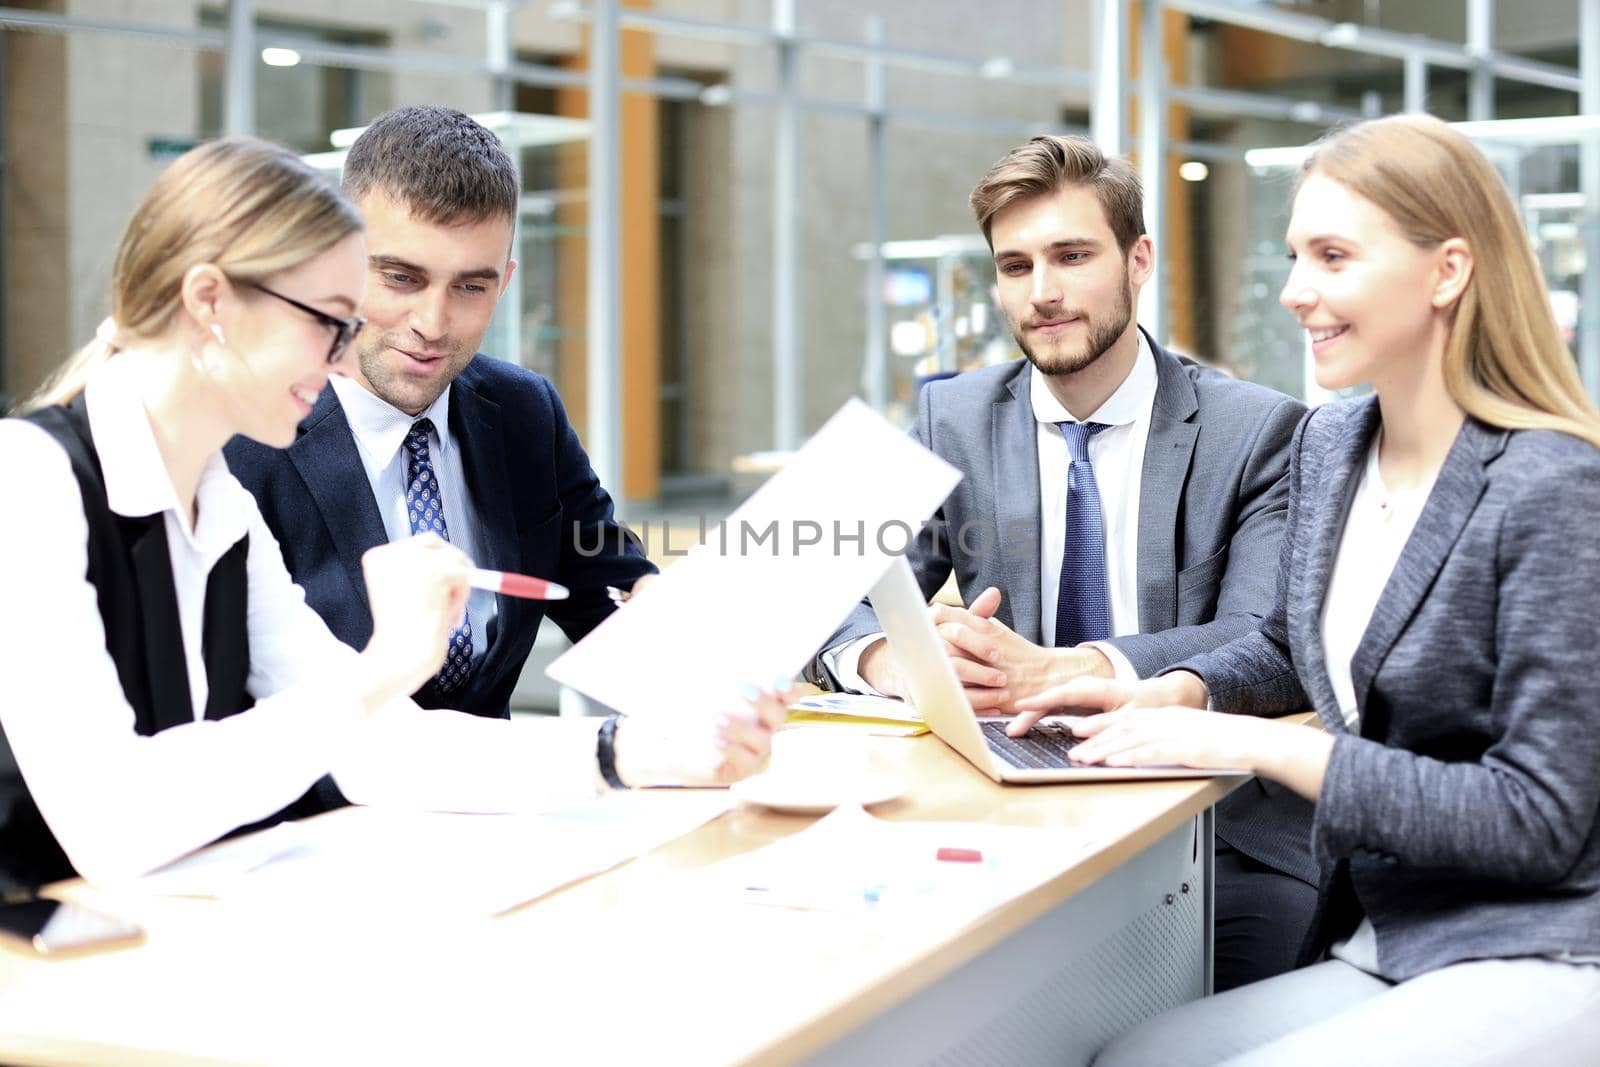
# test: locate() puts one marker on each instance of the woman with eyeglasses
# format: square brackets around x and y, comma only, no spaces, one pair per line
[165,683]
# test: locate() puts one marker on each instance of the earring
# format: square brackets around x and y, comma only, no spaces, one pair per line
[216,331]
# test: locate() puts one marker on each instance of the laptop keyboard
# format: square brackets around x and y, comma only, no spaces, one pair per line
[1044,747]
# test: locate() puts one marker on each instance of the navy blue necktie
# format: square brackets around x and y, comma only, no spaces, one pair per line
[1083,605]
[425,509]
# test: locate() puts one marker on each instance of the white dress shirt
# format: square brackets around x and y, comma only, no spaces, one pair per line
[1117,456]
[380,430]
[119,803]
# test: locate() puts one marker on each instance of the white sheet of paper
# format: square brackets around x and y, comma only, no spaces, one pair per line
[770,583]
[376,860]
[855,862]
[212,870]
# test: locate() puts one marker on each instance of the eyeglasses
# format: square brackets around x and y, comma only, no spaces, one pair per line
[344,330]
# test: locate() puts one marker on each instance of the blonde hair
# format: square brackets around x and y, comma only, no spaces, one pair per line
[249,207]
[1049,163]
[1504,360]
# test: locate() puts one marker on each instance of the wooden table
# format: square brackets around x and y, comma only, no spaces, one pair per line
[643,965]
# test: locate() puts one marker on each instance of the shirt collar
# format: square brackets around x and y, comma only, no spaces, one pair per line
[1129,403]
[136,477]
[380,428]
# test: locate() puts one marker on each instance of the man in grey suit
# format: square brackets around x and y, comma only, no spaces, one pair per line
[1121,507]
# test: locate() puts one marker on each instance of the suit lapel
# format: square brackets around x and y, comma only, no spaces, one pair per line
[1336,484]
[1168,450]
[475,424]
[327,458]
[1016,497]
[1450,504]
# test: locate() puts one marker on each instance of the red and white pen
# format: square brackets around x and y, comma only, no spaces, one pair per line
[520,585]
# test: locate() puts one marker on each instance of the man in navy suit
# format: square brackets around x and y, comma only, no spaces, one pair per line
[430,434]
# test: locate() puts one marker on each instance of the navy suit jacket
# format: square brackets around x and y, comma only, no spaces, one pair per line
[1463,817]
[540,510]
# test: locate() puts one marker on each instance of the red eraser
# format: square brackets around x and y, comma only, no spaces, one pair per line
[960,855]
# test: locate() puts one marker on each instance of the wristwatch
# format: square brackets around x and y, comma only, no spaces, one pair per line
[605,752]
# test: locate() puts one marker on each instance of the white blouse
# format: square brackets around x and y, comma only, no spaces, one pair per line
[121,804]
[1376,529]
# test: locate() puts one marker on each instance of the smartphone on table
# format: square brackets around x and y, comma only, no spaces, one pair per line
[53,928]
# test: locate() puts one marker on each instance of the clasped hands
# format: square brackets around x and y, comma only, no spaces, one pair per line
[996,666]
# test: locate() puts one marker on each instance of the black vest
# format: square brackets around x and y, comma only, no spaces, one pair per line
[131,571]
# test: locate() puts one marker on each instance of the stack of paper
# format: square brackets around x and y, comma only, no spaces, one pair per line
[877,715]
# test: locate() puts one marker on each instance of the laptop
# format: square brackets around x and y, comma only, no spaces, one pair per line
[1042,755]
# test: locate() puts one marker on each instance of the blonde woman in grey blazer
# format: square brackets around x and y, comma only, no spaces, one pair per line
[1436,601]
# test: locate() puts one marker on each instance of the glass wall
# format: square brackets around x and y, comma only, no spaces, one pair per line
[93,114]
[297,103]
[1540,161]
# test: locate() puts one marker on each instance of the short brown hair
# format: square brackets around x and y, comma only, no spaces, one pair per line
[436,161]
[1046,164]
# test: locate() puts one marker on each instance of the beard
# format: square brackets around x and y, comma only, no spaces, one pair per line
[399,390]
[1102,334]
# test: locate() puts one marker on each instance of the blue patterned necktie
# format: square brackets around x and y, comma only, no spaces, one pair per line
[1083,605]
[425,509]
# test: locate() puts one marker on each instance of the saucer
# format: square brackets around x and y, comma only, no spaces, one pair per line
[802,796]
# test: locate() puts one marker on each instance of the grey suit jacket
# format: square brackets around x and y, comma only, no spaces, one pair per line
[1212,501]
[1462,818]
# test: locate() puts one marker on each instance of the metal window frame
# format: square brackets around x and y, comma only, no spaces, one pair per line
[1109,91]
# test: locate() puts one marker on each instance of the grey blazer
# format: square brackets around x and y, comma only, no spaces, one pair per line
[1212,501]
[1462,818]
